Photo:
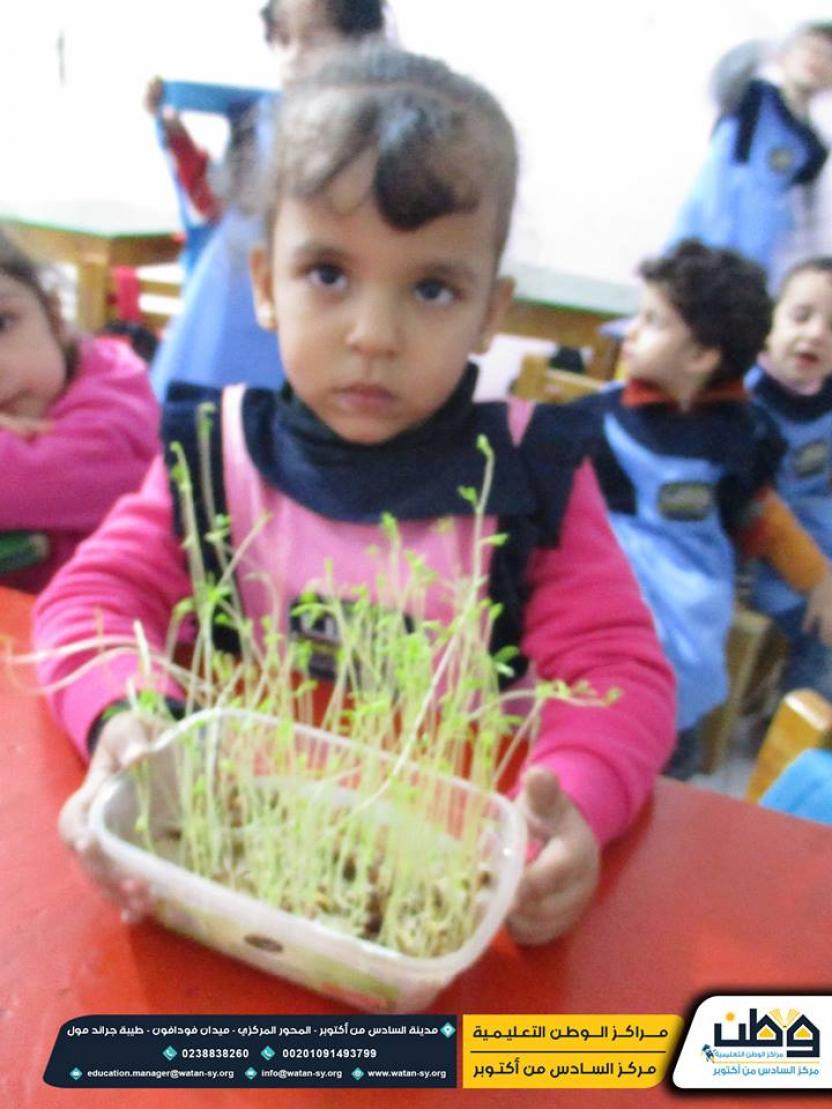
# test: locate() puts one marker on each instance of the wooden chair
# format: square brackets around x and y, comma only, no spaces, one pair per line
[803,720]
[538,381]
[754,654]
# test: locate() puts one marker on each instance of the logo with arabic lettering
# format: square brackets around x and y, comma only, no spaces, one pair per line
[762,1042]
[770,1039]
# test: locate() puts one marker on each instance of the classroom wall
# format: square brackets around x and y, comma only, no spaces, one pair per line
[609,100]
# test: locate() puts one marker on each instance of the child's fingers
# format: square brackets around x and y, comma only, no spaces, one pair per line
[544,807]
[73,819]
[131,895]
[562,870]
[552,894]
[548,870]
[534,928]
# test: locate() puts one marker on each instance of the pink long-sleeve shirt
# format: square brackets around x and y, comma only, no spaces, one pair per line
[584,618]
[104,433]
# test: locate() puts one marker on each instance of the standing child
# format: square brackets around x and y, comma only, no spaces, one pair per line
[215,339]
[687,467]
[387,215]
[78,420]
[751,193]
[793,383]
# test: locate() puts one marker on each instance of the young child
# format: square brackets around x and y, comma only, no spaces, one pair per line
[793,383]
[687,467]
[78,420]
[215,339]
[750,192]
[387,214]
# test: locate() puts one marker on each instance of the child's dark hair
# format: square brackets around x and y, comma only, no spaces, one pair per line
[721,296]
[348,17]
[355,17]
[441,141]
[17,264]
[821,263]
[821,28]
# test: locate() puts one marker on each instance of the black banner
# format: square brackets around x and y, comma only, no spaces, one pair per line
[258,1051]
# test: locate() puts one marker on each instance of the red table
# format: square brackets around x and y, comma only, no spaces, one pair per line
[704,894]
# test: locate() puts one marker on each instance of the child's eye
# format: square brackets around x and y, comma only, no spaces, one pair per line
[434,291]
[326,275]
[6,321]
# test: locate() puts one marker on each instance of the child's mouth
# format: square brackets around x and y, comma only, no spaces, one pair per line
[806,359]
[366,398]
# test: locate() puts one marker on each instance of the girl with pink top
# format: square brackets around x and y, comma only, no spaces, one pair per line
[388,210]
[78,422]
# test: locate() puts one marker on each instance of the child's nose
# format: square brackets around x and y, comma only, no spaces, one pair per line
[375,329]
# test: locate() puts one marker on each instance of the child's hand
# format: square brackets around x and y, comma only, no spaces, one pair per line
[153,102]
[558,884]
[818,618]
[123,740]
[153,95]
[25,427]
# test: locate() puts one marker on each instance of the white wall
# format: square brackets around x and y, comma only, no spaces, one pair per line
[608,97]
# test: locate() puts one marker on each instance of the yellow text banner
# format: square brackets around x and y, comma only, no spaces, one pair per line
[552,1050]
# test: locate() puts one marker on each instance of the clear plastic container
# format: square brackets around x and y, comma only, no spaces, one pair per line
[356,971]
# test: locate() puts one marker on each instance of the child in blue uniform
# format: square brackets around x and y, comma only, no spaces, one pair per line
[793,384]
[763,147]
[216,339]
[687,468]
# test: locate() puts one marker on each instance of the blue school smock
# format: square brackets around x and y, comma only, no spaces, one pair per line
[677,485]
[216,339]
[758,152]
[804,479]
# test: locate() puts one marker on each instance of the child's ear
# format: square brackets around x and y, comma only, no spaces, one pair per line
[501,297]
[261,283]
[704,361]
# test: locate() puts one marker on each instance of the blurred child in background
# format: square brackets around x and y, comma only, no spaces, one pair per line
[215,339]
[78,420]
[387,215]
[793,383]
[687,466]
[753,192]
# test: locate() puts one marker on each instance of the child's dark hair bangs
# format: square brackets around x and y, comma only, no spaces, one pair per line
[418,173]
[438,140]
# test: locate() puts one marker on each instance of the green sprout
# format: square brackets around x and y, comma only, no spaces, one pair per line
[369,835]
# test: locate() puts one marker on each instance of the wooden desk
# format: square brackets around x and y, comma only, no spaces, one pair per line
[704,894]
[93,236]
[569,309]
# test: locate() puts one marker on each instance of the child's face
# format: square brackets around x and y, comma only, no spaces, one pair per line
[32,363]
[807,63]
[660,348]
[376,324]
[799,347]
[300,33]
